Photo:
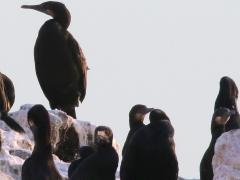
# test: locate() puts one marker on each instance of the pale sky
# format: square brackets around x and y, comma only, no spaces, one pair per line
[164,54]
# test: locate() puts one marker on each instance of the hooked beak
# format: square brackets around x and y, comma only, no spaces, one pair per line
[34,7]
[39,8]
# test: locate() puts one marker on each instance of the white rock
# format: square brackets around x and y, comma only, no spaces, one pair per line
[3,176]
[17,147]
[226,159]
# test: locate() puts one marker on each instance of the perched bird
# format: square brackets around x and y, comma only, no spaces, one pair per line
[60,65]
[136,118]
[219,119]
[61,69]
[151,151]
[102,164]
[7,98]
[227,97]
[226,117]
[84,152]
[40,165]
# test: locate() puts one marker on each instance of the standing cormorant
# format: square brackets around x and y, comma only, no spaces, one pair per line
[61,67]
[40,165]
[136,117]
[7,98]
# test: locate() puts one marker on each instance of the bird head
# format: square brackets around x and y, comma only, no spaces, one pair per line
[55,9]
[137,114]
[158,115]
[50,7]
[39,123]
[103,136]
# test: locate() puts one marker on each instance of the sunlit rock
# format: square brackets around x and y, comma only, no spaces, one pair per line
[226,159]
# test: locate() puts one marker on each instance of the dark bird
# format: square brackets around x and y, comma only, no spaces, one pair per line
[84,152]
[219,119]
[136,118]
[227,97]
[60,65]
[7,98]
[61,69]
[40,165]
[102,164]
[151,151]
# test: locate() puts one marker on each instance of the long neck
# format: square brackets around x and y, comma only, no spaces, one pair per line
[136,120]
[64,18]
[42,143]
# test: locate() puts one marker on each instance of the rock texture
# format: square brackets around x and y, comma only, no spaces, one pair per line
[226,159]
[17,147]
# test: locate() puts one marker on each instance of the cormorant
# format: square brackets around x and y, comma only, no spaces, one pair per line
[151,151]
[102,164]
[219,119]
[40,165]
[61,69]
[7,98]
[60,65]
[136,117]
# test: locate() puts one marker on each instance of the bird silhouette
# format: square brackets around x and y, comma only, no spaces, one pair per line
[60,65]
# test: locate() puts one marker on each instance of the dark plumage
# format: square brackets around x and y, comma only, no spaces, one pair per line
[102,164]
[136,117]
[84,152]
[7,98]
[61,69]
[60,64]
[40,165]
[151,151]
[227,97]
[228,94]
[225,118]
[219,119]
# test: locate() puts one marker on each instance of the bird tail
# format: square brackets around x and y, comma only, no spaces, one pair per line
[12,123]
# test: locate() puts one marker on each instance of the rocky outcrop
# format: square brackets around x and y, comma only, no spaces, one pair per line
[18,147]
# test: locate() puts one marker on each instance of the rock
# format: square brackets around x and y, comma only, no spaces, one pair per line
[67,148]
[23,154]
[3,176]
[226,159]
[17,147]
